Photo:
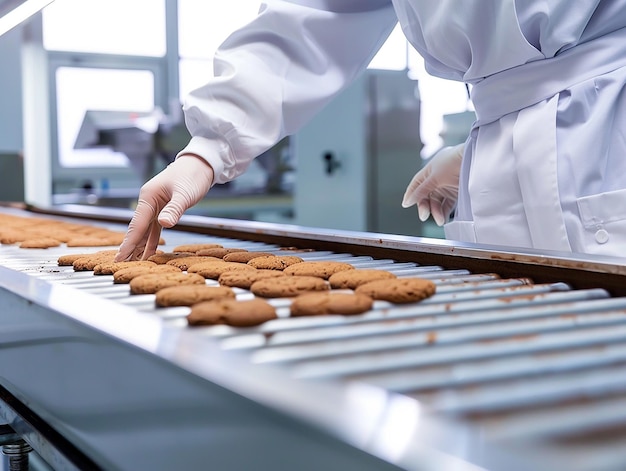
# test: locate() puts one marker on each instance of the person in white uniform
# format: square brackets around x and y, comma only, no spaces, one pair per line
[544,165]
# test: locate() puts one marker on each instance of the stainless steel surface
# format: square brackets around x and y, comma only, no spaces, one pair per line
[496,372]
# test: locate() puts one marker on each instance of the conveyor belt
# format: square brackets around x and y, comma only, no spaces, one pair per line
[539,367]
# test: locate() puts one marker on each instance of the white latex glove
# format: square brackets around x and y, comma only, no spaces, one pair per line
[435,188]
[162,202]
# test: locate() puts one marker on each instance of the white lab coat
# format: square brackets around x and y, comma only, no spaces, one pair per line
[545,164]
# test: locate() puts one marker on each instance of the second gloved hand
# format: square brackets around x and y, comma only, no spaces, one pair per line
[435,188]
[162,202]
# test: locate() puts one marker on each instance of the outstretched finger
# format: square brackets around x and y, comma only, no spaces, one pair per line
[152,242]
[437,209]
[423,209]
[410,195]
[134,242]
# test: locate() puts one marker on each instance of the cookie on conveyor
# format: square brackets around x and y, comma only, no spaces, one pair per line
[218,252]
[213,270]
[399,290]
[125,275]
[163,258]
[244,257]
[231,312]
[288,286]
[319,269]
[185,262]
[191,294]
[109,268]
[193,248]
[60,235]
[354,278]
[275,262]
[69,259]
[39,243]
[153,282]
[244,278]
[12,237]
[89,263]
[92,241]
[318,304]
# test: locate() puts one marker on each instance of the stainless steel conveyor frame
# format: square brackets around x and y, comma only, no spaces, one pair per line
[517,362]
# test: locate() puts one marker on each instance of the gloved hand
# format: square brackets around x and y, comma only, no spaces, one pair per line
[162,201]
[435,188]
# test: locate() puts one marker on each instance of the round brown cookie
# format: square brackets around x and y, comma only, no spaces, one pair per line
[109,268]
[62,236]
[191,294]
[114,238]
[89,263]
[274,262]
[126,274]
[185,262]
[12,237]
[317,304]
[164,257]
[213,270]
[39,243]
[244,279]
[353,278]
[67,260]
[287,286]
[193,248]
[399,290]
[90,241]
[153,282]
[231,312]
[244,257]
[319,269]
[218,252]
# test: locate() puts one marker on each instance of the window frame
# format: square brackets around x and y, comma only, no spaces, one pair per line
[58,60]
[165,72]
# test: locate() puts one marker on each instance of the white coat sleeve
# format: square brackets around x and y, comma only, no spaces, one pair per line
[273,75]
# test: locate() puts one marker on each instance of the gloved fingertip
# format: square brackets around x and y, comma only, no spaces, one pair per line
[122,254]
[166,219]
[439,219]
[166,222]
[423,212]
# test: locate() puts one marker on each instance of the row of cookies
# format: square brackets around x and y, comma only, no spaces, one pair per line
[259,272]
[165,275]
[314,287]
[41,233]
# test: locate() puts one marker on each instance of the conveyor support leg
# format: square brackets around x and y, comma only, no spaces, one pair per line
[15,448]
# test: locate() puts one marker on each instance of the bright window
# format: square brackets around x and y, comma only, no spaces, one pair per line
[129,27]
[193,73]
[393,54]
[204,24]
[81,89]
